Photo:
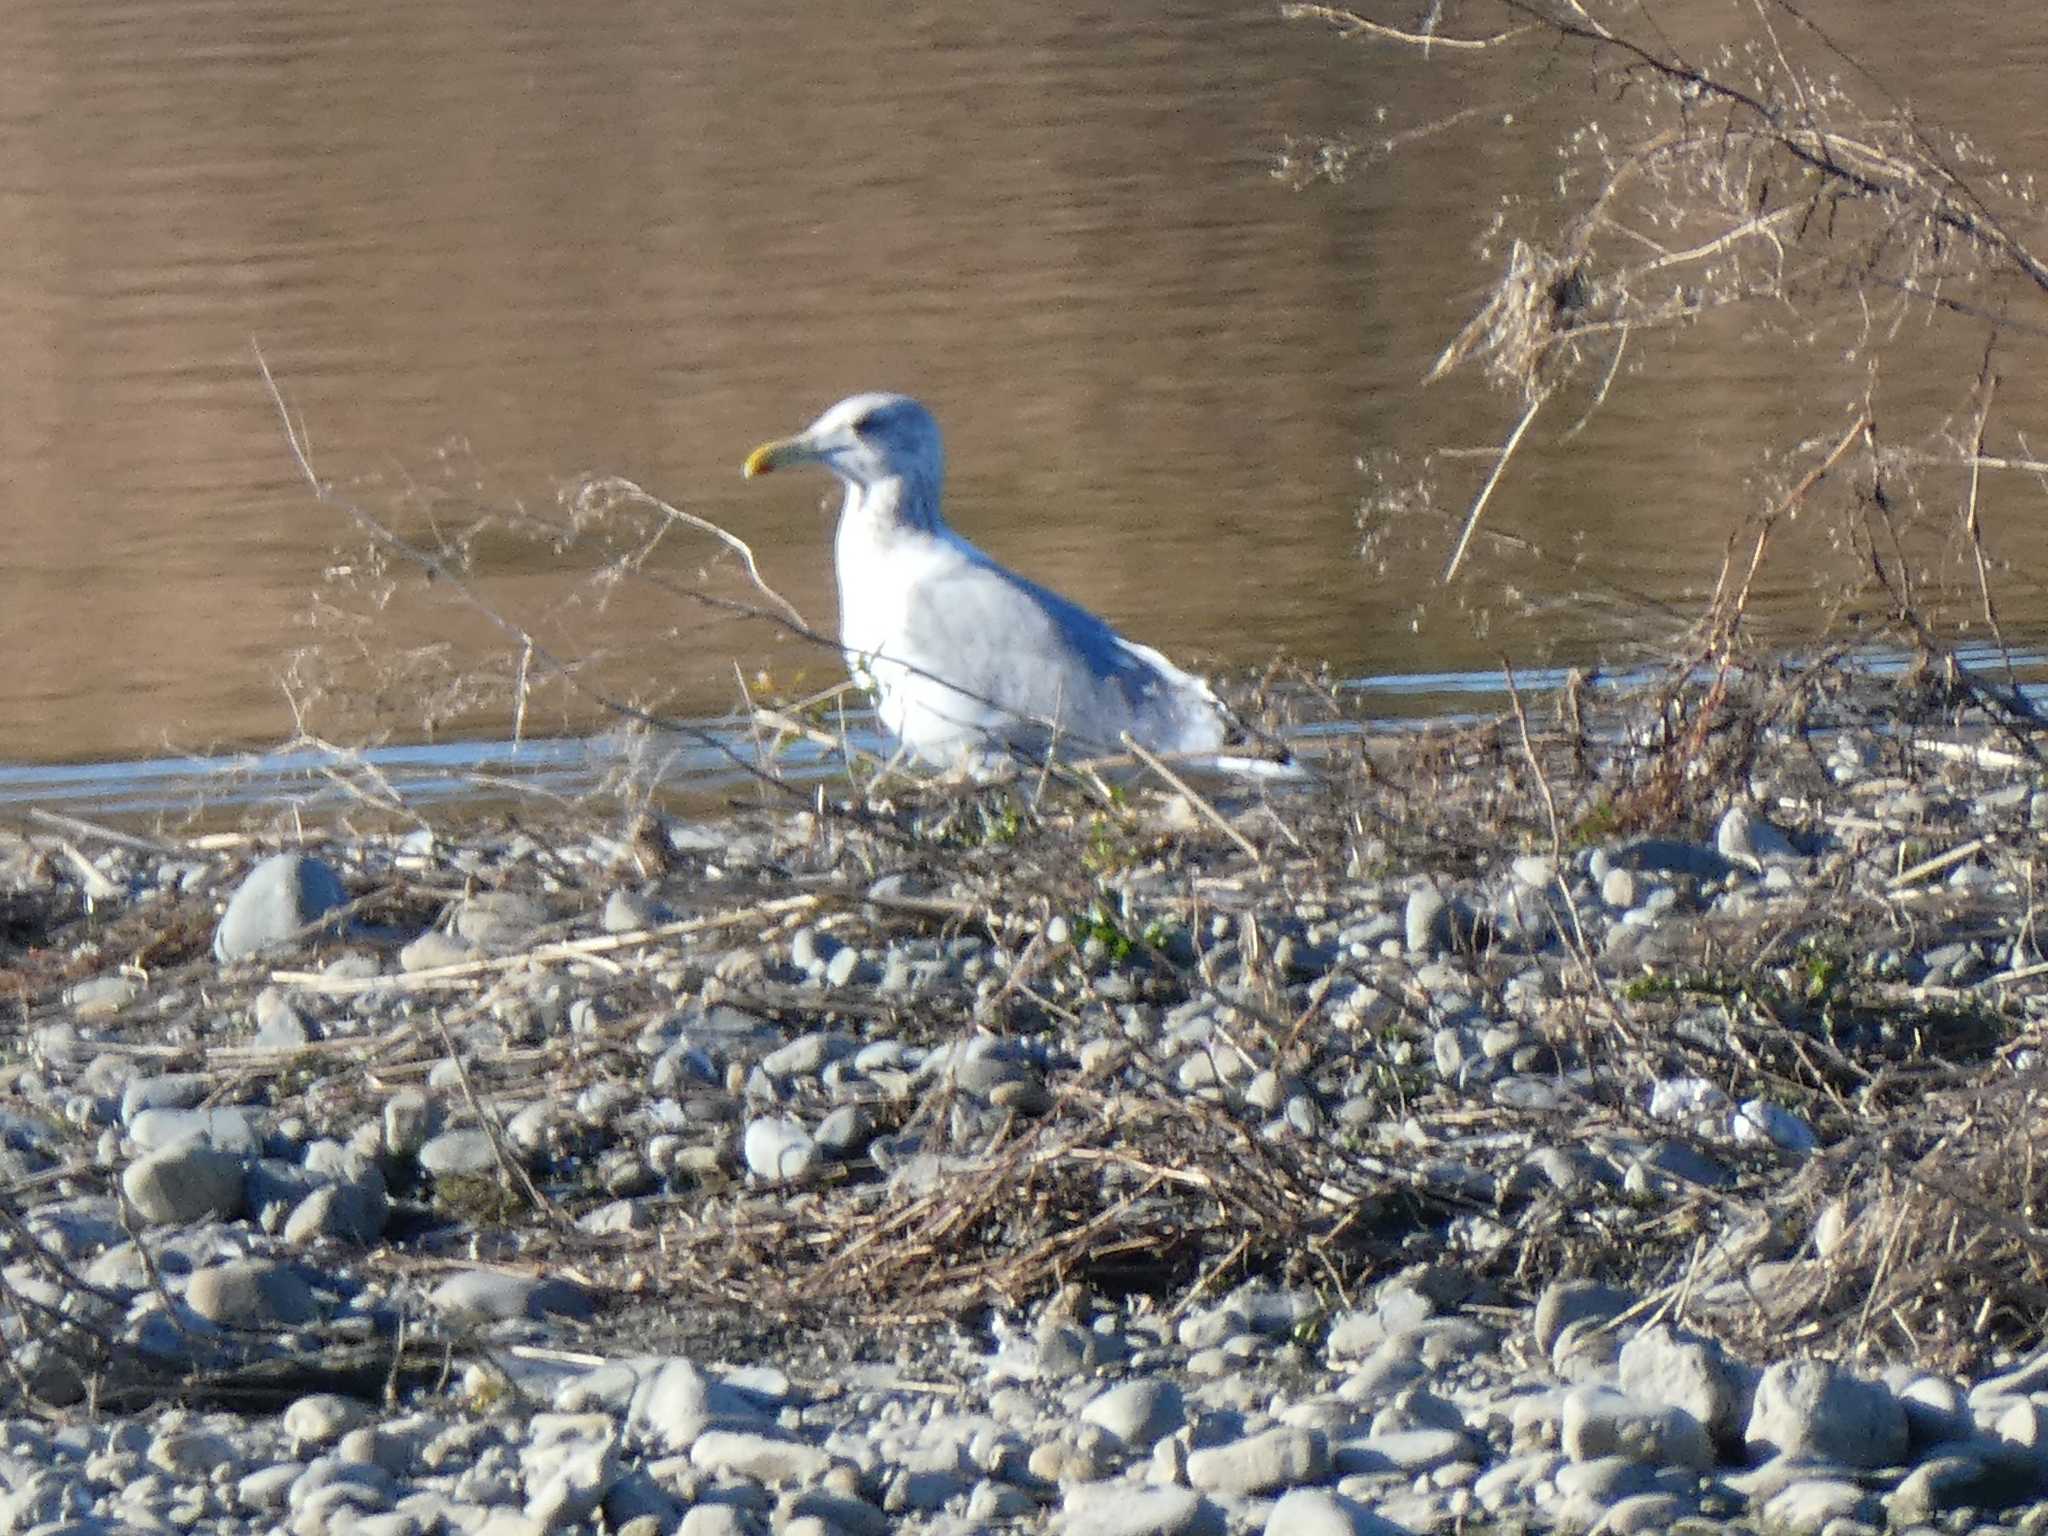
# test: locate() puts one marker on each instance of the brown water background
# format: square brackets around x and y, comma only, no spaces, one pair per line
[490,248]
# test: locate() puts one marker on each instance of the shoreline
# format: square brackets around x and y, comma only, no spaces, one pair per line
[1537,1123]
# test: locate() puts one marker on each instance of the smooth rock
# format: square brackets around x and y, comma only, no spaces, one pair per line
[228,1129]
[1280,1458]
[277,898]
[1814,1408]
[434,949]
[566,1482]
[408,1122]
[778,1148]
[258,1292]
[1965,1478]
[184,1183]
[321,1418]
[1427,924]
[1660,1364]
[280,1026]
[498,921]
[1118,1509]
[1564,1302]
[765,1458]
[485,1295]
[464,1152]
[165,1090]
[1599,1421]
[1139,1412]
[1806,1507]
[1321,1512]
[352,1212]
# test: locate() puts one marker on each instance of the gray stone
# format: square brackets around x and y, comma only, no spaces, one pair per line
[1804,1508]
[434,949]
[1618,889]
[829,1514]
[408,1122]
[184,1183]
[1644,1514]
[1814,1408]
[846,1132]
[1564,1302]
[1284,1457]
[1936,1408]
[777,1147]
[1139,1412]
[264,1491]
[1427,924]
[1660,1364]
[636,1502]
[1599,1421]
[321,1418]
[259,1292]
[165,1090]
[807,1055]
[1118,1509]
[498,921]
[228,1129]
[486,1295]
[464,1152]
[2030,1375]
[280,896]
[565,1482]
[1971,1475]
[718,1520]
[364,1483]
[766,1458]
[350,1212]
[279,1025]
[1410,1452]
[1320,1512]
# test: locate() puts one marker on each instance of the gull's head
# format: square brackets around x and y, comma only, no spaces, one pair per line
[865,440]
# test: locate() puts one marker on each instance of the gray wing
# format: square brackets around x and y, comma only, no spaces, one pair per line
[1030,652]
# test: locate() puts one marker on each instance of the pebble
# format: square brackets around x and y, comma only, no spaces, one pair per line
[185,1182]
[278,898]
[465,1152]
[1283,1457]
[482,1295]
[1815,1409]
[1116,1509]
[1140,1412]
[778,1148]
[861,1058]
[258,1292]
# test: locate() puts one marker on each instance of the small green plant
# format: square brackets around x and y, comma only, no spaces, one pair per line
[1100,923]
[1108,850]
[1001,824]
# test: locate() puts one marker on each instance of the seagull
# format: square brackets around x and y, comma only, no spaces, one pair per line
[970,663]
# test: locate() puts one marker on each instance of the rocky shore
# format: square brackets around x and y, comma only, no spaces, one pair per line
[1626,1124]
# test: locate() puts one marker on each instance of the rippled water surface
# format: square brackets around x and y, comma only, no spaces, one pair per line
[490,250]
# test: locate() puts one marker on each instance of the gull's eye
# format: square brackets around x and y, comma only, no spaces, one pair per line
[867,424]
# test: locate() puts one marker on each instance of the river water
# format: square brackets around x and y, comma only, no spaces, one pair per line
[488,251]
